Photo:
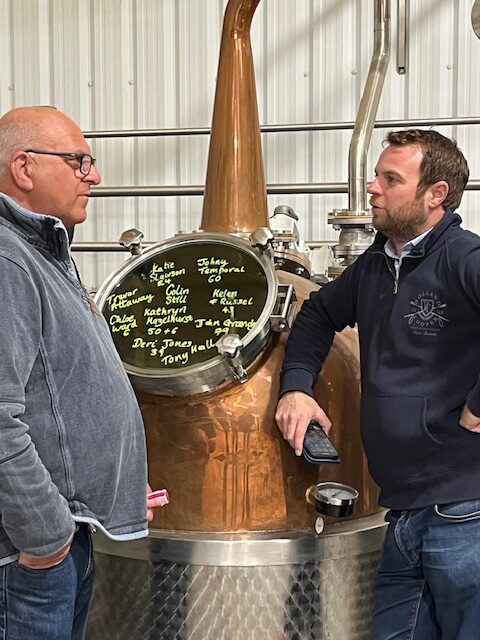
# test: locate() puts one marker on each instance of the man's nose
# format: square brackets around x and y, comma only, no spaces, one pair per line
[374,187]
[93,175]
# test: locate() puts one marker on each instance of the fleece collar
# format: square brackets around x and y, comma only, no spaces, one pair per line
[435,238]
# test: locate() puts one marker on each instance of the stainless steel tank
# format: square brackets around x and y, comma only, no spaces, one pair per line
[200,322]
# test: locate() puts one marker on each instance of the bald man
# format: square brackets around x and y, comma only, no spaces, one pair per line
[72,447]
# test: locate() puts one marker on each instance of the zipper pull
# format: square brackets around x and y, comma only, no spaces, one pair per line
[395,286]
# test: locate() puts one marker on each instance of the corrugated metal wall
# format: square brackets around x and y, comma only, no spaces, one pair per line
[128,64]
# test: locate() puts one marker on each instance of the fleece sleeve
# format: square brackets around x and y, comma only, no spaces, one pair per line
[463,257]
[326,311]
[34,515]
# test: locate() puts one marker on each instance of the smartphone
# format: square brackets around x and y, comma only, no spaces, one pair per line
[317,447]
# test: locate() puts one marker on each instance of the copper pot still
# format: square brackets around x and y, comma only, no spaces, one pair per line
[220,453]
[224,461]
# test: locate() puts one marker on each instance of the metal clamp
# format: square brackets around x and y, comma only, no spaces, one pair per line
[282,318]
[262,238]
[229,347]
[131,239]
[284,209]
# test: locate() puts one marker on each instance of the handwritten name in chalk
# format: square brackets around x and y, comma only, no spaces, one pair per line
[224,293]
[190,348]
[140,343]
[216,268]
[225,297]
[239,302]
[154,352]
[176,294]
[122,324]
[239,324]
[163,311]
[171,319]
[163,274]
[177,358]
[168,343]
[206,322]
[160,317]
[228,325]
[128,299]
[161,325]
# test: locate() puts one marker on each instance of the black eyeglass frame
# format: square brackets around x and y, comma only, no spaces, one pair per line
[79,157]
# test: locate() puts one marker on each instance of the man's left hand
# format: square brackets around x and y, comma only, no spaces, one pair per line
[45,562]
[469,421]
[152,502]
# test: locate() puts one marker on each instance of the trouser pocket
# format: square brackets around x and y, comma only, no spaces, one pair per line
[459,511]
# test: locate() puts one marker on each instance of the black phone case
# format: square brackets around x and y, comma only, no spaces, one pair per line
[317,447]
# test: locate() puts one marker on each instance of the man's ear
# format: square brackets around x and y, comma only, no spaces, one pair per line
[21,171]
[437,193]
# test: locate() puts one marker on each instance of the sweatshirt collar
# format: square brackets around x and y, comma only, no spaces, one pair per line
[38,229]
[430,239]
[32,215]
[391,251]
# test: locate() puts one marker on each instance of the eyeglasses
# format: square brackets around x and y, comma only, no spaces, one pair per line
[85,160]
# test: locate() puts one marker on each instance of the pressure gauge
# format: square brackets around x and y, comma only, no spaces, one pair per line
[334,499]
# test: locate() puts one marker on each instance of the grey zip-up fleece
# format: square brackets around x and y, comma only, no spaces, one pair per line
[72,443]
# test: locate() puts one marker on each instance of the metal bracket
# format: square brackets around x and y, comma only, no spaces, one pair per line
[229,347]
[282,318]
[131,239]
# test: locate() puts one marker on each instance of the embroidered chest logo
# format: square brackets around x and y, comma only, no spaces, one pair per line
[427,315]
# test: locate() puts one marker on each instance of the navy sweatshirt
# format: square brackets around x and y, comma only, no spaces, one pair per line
[420,362]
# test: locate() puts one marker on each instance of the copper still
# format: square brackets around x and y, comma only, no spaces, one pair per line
[238,492]
[224,460]
[242,476]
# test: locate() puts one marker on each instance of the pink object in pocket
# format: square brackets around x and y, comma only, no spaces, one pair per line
[162,494]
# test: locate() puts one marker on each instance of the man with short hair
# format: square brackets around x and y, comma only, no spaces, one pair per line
[72,446]
[415,296]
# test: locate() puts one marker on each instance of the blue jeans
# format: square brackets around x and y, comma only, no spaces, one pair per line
[428,582]
[48,604]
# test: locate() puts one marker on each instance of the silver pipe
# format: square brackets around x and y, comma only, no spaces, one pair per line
[115,247]
[362,133]
[286,128]
[402,36]
[107,247]
[272,189]
[110,247]
[120,192]
[197,190]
